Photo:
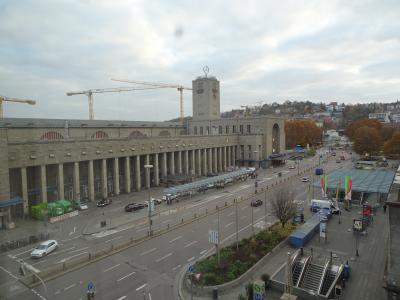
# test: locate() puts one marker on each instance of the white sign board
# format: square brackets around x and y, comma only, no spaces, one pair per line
[213,237]
[322,229]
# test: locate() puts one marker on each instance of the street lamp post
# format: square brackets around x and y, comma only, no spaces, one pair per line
[252,218]
[298,166]
[265,208]
[150,204]
[237,225]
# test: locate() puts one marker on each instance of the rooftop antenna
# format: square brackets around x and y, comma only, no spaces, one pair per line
[206,70]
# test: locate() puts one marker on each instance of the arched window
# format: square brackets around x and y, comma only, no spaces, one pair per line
[195,130]
[52,136]
[164,133]
[99,135]
[276,139]
[137,135]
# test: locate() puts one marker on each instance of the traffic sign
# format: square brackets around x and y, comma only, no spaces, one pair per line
[213,237]
[191,269]
[90,286]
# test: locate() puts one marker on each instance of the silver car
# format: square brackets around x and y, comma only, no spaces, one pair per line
[44,248]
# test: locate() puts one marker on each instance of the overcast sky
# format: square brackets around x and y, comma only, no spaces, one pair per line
[347,51]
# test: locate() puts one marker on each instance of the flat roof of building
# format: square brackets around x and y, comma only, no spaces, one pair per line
[369,181]
[63,123]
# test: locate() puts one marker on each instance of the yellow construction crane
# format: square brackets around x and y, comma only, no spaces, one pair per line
[90,93]
[180,88]
[8,99]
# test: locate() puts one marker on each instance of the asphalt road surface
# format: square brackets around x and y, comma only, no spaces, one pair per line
[150,268]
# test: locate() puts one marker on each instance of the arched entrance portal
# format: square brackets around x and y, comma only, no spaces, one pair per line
[275,139]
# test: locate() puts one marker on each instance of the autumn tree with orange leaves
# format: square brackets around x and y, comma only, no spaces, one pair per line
[367,140]
[392,146]
[302,132]
[352,128]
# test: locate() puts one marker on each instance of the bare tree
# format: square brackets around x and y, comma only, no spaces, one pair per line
[283,206]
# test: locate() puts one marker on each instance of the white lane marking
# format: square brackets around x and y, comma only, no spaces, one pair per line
[141,229]
[240,230]
[110,268]
[190,244]
[33,268]
[37,294]
[61,251]
[113,239]
[164,257]
[121,298]
[175,239]
[39,262]
[166,221]
[126,276]
[69,287]
[174,268]
[68,258]
[256,210]
[148,251]
[77,250]
[190,259]
[231,214]
[150,296]
[244,207]
[78,236]
[229,224]
[9,273]
[15,255]
[202,252]
[140,287]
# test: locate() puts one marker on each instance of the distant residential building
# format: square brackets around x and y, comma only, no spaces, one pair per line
[382,117]
[395,118]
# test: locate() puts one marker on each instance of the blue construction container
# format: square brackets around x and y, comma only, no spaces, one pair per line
[305,232]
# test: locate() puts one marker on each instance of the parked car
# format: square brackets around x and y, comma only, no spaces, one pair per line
[169,197]
[338,161]
[256,203]
[305,179]
[44,248]
[156,202]
[292,167]
[80,206]
[104,202]
[134,207]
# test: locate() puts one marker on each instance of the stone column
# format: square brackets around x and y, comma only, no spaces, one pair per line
[224,158]
[210,160]
[60,181]
[229,156]
[156,171]
[205,161]
[164,166]
[220,159]
[43,184]
[186,162]
[24,185]
[127,171]
[172,164]
[77,185]
[137,174]
[104,192]
[91,180]
[193,163]
[179,162]
[116,176]
[217,160]
[234,156]
[147,171]
[199,162]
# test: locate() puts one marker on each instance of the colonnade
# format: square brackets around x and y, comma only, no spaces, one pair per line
[197,162]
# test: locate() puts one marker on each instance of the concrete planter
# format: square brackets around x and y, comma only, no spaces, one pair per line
[228,286]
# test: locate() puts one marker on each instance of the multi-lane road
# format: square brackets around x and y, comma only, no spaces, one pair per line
[149,269]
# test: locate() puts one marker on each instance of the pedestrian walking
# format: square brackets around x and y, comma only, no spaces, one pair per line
[384,208]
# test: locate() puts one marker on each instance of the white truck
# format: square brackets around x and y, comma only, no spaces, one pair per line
[330,205]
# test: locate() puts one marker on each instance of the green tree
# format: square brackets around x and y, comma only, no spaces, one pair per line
[367,140]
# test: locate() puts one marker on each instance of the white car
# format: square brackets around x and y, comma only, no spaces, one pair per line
[292,167]
[44,248]
[305,179]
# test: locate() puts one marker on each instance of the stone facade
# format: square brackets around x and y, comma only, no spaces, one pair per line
[42,160]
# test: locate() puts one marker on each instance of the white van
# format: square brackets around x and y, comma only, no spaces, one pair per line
[317,205]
